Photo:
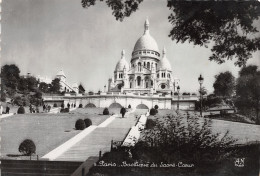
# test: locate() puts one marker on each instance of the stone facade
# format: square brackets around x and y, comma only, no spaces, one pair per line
[147,73]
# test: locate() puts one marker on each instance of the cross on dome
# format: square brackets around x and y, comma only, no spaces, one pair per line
[122,54]
[146,26]
[164,51]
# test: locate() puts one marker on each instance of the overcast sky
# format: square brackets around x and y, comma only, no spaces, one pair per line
[44,36]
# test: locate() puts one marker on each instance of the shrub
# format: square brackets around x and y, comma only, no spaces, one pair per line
[64,110]
[88,122]
[106,111]
[21,110]
[55,105]
[27,147]
[62,106]
[80,124]
[80,105]
[150,123]
[156,107]
[129,106]
[186,138]
[153,111]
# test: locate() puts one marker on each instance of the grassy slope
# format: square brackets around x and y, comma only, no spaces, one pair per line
[47,130]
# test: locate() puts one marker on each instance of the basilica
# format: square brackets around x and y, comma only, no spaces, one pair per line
[149,71]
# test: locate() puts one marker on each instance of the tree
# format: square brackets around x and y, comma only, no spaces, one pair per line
[55,86]
[224,84]
[81,88]
[227,24]
[247,91]
[32,83]
[44,87]
[202,91]
[10,75]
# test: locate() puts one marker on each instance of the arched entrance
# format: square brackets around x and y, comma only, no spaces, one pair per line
[90,105]
[115,105]
[142,106]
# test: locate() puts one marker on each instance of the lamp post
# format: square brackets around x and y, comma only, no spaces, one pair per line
[200,79]
[178,90]
[105,88]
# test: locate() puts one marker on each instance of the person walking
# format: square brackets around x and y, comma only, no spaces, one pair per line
[7,110]
[123,111]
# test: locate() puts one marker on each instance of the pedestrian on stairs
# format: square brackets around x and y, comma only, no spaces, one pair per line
[123,111]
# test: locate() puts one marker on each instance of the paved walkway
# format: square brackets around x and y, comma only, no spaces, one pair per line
[99,139]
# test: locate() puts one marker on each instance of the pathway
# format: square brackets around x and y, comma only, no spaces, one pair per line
[99,139]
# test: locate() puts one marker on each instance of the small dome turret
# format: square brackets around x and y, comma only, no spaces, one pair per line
[122,63]
[164,63]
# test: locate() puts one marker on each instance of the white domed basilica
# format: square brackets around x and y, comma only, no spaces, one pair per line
[148,71]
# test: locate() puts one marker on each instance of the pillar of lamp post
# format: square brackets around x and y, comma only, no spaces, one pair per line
[105,88]
[178,90]
[201,79]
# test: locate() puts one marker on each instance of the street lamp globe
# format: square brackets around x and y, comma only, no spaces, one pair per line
[200,79]
[178,88]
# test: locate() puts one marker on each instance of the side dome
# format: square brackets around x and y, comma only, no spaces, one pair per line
[122,63]
[146,41]
[164,63]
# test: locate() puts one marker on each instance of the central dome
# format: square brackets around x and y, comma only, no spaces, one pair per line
[146,42]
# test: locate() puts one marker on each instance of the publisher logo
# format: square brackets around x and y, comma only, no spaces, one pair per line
[240,162]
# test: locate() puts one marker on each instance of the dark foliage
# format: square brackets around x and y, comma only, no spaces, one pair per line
[27,147]
[228,24]
[44,87]
[80,124]
[80,105]
[129,106]
[55,105]
[64,110]
[21,110]
[224,84]
[10,76]
[88,122]
[153,111]
[120,8]
[156,107]
[55,86]
[62,105]
[106,111]
[247,92]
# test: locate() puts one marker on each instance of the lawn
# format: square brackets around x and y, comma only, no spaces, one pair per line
[48,131]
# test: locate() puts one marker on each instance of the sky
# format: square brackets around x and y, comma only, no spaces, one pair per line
[44,36]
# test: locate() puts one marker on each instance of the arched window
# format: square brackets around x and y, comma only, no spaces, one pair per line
[138,80]
[158,75]
[144,64]
[169,75]
[139,66]
[162,75]
[156,66]
[130,84]
[148,65]
[151,82]
[152,65]
[146,84]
